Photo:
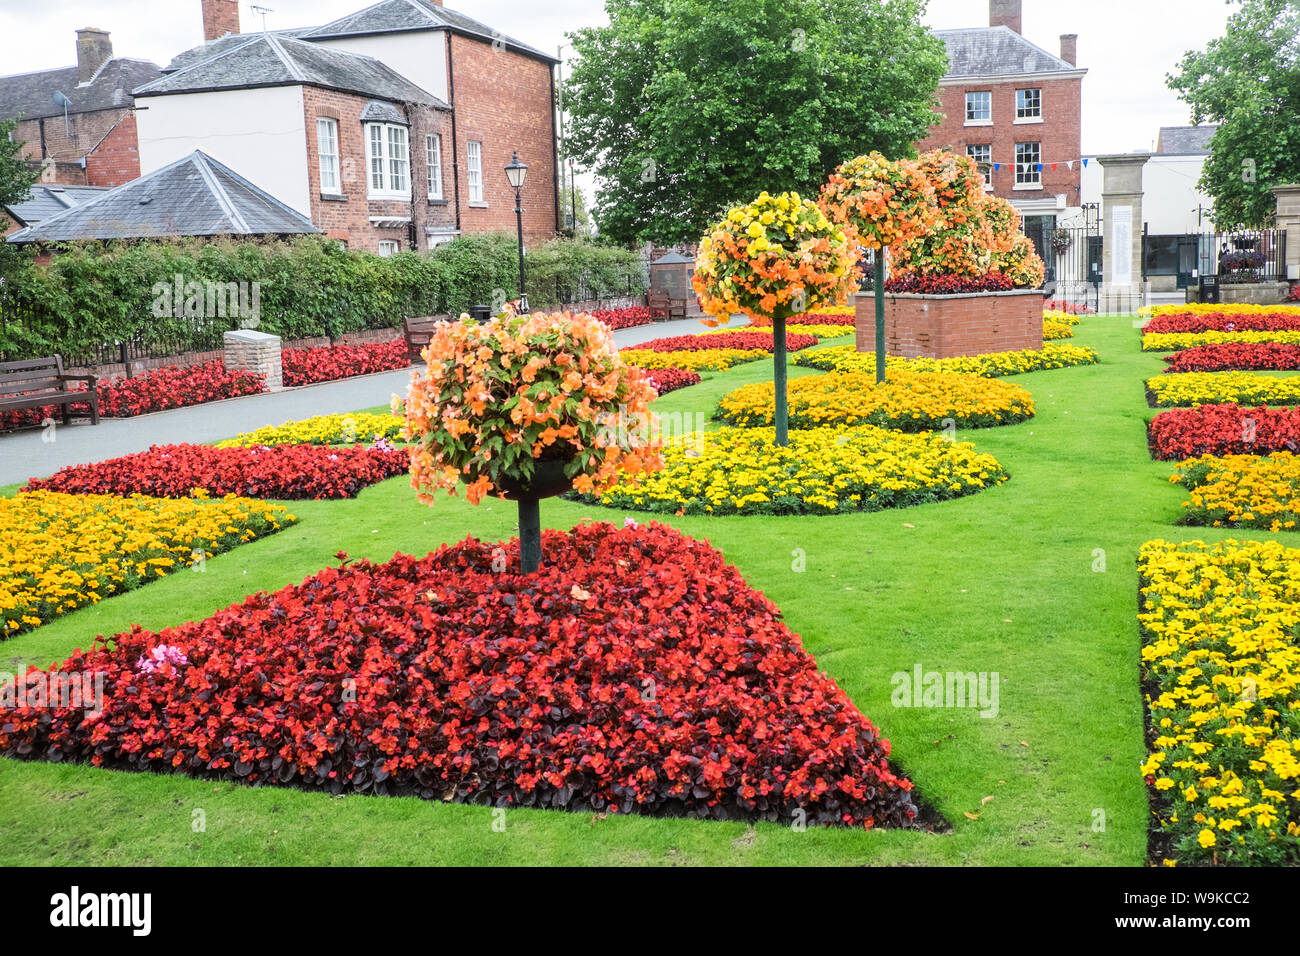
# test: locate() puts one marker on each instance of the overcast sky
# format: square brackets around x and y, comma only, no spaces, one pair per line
[1127,45]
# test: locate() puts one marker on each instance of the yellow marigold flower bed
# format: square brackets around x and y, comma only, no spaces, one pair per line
[1219,388]
[847,358]
[1177,341]
[907,401]
[1055,331]
[61,552]
[701,360]
[1202,308]
[823,471]
[1064,318]
[817,331]
[322,430]
[1221,675]
[1242,491]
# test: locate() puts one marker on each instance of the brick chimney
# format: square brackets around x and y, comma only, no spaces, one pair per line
[1070,48]
[94,49]
[219,18]
[1005,13]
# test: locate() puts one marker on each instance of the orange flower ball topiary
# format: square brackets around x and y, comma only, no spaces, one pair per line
[883,202]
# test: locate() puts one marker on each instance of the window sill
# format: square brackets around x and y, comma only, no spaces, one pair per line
[390,197]
[1028,187]
[478,204]
[333,197]
[987,122]
[1027,120]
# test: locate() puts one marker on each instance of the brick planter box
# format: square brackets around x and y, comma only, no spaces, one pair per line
[947,326]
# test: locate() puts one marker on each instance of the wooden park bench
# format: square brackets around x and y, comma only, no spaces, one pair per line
[35,383]
[660,302]
[418,331]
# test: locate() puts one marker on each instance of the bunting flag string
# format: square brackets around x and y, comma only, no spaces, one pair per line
[1038,167]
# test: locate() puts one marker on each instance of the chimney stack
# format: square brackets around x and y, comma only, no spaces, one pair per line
[94,49]
[1070,48]
[219,18]
[1005,13]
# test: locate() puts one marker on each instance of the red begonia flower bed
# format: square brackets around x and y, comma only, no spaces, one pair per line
[1221,322]
[281,471]
[824,318]
[726,340]
[1226,356]
[625,318]
[635,672]
[670,379]
[1223,430]
[948,284]
[327,363]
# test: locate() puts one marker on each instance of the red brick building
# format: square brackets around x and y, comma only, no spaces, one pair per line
[1016,109]
[394,123]
[78,122]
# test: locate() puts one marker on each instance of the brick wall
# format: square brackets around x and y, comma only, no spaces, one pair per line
[503,100]
[349,217]
[116,160]
[111,132]
[1059,133]
[920,326]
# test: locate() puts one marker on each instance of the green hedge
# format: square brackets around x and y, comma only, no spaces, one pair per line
[93,294]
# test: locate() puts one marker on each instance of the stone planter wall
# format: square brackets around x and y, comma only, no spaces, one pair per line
[947,326]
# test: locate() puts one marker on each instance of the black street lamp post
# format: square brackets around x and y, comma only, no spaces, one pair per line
[516,172]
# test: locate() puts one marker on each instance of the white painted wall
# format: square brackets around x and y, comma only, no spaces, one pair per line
[419,56]
[260,134]
[1170,195]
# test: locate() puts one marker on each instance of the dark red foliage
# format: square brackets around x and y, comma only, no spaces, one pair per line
[282,472]
[329,362]
[625,318]
[670,379]
[726,340]
[636,671]
[1221,322]
[1294,294]
[948,284]
[1223,430]
[1225,356]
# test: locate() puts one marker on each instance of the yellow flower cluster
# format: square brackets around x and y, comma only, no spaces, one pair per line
[322,430]
[908,401]
[823,471]
[61,552]
[1201,308]
[699,360]
[1242,491]
[817,331]
[1217,388]
[1177,341]
[847,358]
[1054,331]
[1222,662]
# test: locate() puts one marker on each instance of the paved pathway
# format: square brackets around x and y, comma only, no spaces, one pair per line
[30,453]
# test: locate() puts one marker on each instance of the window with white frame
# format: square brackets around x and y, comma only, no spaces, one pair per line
[1029,104]
[474,153]
[979,107]
[1029,161]
[433,163]
[388,248]
[982,154]
[388,153]
[327,149]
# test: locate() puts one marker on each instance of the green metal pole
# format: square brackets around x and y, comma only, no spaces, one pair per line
[782,416]
[880,315]
[530,535]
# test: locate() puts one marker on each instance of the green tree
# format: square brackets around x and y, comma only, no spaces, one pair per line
[1248,81]
[16,174]
[685,107]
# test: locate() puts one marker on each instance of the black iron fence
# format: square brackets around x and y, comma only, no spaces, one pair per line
[1234,257]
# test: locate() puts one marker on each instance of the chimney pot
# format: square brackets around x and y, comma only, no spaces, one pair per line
[94,49]
[1070,48]
[219,18]
[1005,13]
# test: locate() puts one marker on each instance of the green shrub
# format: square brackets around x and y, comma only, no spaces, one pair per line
[568,270]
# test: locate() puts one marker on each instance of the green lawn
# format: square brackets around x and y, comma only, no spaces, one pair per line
[1001,581]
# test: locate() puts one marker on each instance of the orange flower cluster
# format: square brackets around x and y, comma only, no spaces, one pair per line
[776,257]
[501,396]
[883,202]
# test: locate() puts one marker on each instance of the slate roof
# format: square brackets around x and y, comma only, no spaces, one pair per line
[1185,140]
[48,200]
[397,16]
[997,51]
[228,42]
[266,60]
[32,94]
[194,196]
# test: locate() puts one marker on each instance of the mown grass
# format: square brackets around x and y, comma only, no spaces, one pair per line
[1035,580]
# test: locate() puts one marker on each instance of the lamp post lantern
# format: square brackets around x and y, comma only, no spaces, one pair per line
[516,173]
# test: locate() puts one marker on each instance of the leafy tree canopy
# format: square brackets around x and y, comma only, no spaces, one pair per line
[1248,81]
[686,107]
